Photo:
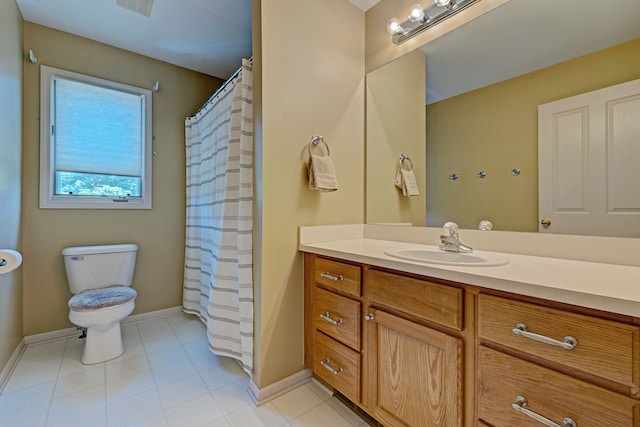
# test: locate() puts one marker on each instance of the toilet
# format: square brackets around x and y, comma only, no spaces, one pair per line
[100,278]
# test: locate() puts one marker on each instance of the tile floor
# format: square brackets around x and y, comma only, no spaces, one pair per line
[167,377]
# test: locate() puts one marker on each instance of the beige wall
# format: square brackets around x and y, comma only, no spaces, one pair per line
[312,83]
[256,42]
[159,232]
[496,129]
[396,125]
[379,46]
[11,63]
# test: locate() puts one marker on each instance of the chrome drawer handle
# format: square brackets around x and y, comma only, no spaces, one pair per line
[327,318]
[569,342]
[328,367]
[330,276]
[520,406]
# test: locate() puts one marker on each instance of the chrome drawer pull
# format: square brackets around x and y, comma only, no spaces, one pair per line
[330,276]
[328,367]
[327,318]
[520,404]
[569,342]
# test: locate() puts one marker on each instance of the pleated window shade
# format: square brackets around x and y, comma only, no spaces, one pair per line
[98,130]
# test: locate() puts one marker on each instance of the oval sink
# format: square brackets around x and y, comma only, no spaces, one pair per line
[437,256]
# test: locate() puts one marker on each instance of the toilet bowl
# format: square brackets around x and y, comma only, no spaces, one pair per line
[104,339]
[100,277]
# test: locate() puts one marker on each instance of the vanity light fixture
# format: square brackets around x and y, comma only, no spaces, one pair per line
[394,26]
[444,3]
[422,18]
[416,14]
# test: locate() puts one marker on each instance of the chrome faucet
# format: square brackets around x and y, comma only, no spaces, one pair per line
[450,240]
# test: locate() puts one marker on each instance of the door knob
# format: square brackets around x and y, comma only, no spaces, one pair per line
[546,222]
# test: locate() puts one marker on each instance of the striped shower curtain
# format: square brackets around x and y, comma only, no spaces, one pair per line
[218,285]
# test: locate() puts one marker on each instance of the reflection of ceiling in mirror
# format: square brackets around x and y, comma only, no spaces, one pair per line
[522,36]
[365,4]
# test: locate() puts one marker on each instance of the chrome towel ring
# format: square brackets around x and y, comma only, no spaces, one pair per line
[315,141]
[404,157]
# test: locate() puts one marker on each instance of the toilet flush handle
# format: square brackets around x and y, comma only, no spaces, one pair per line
[77,258]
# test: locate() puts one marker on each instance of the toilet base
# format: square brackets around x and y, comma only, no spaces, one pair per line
[104,337]
[101,345]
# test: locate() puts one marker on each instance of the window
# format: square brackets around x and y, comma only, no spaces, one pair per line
[95,143]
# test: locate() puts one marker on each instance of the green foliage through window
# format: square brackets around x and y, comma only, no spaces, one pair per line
[85,184]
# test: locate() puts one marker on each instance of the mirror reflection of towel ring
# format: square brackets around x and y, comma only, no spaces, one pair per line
[402,159]
[316,140]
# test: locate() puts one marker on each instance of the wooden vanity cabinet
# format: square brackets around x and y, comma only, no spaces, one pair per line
[413,370]
[333,323]
[401,359]
[507,383]
[537,362]
[415,351]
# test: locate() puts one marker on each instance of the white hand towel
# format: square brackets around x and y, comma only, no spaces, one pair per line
[322,174]
[407,181]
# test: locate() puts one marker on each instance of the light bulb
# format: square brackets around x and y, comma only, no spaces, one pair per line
[394,27]
[442,3]
[416,13]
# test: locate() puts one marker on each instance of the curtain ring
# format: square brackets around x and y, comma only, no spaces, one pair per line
[316,140]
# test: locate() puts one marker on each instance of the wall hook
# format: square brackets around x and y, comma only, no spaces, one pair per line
[32,57]
[481,174]
[453,177]
[515,171]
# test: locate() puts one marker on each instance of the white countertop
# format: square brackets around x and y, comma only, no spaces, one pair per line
[608,287]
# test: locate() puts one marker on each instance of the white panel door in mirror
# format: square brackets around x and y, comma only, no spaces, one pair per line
[588,163]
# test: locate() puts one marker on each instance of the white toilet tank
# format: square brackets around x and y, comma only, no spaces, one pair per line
[93,267]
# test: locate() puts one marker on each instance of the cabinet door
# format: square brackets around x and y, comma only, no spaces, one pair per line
[414,373]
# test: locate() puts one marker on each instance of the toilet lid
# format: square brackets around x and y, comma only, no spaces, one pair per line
[95,299]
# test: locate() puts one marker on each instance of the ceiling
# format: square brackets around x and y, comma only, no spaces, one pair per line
[522,36]
[209,36]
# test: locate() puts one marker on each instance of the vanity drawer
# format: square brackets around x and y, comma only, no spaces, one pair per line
[338,366]
[604,348]
[338,317]
[338,276]
[502,378]
[434,302]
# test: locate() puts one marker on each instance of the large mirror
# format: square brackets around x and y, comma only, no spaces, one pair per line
[475,113]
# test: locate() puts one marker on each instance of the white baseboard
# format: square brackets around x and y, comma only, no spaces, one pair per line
[50,336]
[158,314]
[69,332]
[11,365]
[260,396]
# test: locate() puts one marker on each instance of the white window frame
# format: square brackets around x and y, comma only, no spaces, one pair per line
[48,198]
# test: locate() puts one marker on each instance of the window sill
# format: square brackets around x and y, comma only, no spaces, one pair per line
[90,202]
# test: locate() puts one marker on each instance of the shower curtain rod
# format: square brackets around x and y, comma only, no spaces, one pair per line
[221,88]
